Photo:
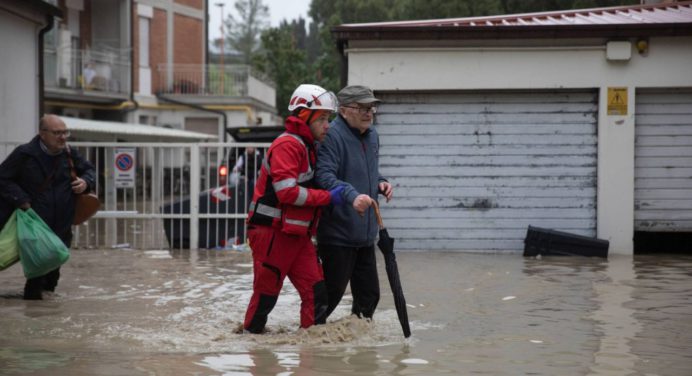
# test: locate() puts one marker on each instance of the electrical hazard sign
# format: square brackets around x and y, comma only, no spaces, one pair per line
[124,159]
[617,101]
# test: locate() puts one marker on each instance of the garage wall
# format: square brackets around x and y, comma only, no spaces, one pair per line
[663,161]
[525,67]
[472,170]
[541,65]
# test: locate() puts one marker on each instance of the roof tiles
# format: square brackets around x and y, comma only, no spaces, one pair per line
[679,12]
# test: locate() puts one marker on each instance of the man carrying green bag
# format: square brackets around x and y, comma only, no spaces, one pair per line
[37,176]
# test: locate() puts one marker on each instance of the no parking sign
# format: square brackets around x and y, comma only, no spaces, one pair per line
[124,167]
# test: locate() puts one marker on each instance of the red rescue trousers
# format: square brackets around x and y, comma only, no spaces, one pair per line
[277,255]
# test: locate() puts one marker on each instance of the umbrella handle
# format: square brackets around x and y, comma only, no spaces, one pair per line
[377,214]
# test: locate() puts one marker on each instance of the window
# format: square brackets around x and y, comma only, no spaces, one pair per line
[147,119]
[144,42]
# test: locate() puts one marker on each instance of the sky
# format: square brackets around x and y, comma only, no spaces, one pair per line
[278,11]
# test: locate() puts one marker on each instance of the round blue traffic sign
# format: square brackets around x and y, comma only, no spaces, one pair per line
[124,162]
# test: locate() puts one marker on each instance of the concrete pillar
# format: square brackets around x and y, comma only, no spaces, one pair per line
[615,213]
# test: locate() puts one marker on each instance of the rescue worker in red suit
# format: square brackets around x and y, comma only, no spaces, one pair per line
[284,212]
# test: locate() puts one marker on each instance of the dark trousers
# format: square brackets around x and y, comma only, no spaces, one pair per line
[34,287]
[356,265]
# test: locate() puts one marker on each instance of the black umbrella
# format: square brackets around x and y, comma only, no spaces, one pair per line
[386,244]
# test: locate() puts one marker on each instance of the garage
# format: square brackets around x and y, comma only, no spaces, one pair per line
[472,170]
[663,170]
[495,123]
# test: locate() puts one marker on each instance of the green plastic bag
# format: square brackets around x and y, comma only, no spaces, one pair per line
[40,250]
[9,245]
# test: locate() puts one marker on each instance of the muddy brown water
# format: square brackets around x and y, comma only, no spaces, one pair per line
[129,312]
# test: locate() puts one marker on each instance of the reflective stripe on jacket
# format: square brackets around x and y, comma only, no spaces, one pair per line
[284,195]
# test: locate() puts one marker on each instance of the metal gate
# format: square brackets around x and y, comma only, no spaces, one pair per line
[472,170]
[167,195]
[663,161]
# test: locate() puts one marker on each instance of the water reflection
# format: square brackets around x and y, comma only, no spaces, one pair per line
[310,361]
[174,312]
[662,302]
[25,360]
[615,322]
[236,364]
[639,307]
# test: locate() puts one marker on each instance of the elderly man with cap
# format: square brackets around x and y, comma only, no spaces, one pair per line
[348,156]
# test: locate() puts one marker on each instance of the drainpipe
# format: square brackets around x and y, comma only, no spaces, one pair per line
[206,44]
[41,78]
[206,36]
[132,65]
[198,107]
[344,63]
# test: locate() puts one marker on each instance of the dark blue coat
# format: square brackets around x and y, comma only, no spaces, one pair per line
[22,179]
[346,157]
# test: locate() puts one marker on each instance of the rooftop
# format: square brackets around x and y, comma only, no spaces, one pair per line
[654,13]
[87,128]
[636,20]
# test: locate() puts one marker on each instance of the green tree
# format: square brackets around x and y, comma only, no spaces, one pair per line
[524,6]
[327,14]
[434,9]
[313,41]
[283,62]
[314,58]
[243,33]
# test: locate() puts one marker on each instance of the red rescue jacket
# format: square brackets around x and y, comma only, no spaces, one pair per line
[285,196]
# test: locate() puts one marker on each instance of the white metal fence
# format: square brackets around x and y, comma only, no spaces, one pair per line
[161,195]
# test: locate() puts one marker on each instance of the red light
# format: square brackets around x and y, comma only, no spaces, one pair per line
[223,173]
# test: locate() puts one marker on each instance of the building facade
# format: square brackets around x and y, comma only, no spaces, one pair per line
[145,62]
[577,121]
[22,27]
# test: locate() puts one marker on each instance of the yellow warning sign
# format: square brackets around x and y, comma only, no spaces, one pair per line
[617,101]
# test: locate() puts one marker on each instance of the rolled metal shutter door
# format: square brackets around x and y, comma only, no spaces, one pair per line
[473,170]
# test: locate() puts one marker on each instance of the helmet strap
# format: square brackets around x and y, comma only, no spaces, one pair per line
[303,114]
[312,116]
[297,112]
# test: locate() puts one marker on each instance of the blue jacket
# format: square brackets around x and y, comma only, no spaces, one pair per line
[347,157]
[22,179]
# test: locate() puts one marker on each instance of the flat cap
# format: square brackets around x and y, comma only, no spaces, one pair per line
[356,94]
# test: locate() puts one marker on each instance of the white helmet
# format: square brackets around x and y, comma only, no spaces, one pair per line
[312,97]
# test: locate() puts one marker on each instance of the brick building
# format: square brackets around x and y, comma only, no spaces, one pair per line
[145,62]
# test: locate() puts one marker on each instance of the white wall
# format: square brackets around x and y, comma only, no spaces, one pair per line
[18,78]
[615,201]
[261,91]
[176,118]
[668,63]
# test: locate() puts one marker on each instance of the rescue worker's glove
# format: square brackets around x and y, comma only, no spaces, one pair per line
[337,195]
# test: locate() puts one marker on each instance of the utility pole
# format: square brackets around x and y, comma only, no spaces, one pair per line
[222,69]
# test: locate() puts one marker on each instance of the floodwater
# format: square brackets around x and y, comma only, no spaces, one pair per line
[127,312]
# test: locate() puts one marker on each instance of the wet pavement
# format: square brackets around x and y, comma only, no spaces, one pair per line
[129,312]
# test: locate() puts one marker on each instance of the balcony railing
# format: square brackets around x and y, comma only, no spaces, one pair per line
[214,80]
[106,71]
